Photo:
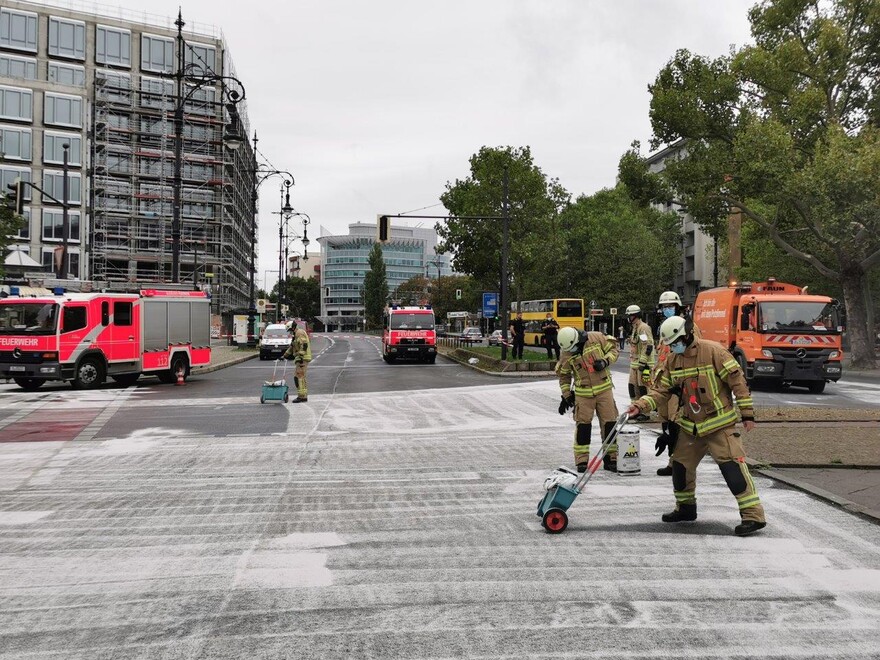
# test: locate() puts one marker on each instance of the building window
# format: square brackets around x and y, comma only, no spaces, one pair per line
[114,87]
[157,93]
[18,67]
[53,225]
[53,148]
[24,232]
[112,46]
[157,54]
[199,59]
[67,38]
[8,175]
[63,110]
[77,317]
[18,30]
[53,184]
[15,143]
[16,103]
[67,74]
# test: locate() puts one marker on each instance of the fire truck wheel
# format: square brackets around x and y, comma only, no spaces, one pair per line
[555,521]
[29,384]
[89,374]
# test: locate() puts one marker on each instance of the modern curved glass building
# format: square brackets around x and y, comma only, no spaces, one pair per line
[345,262]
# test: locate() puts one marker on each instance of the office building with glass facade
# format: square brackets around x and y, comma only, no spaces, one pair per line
[345,262]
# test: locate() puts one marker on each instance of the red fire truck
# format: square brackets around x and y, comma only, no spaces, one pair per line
[408,332]
[86,337]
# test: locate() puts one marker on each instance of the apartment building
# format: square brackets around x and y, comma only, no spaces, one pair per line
[345,263]
[105,86]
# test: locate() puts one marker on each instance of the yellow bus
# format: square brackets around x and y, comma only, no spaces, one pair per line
[566,311]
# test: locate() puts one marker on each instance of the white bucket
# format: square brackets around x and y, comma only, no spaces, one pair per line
[628,462]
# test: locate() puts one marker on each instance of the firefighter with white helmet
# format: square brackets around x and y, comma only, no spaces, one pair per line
[585,361]
[707,380]
[669,305]
[641,354]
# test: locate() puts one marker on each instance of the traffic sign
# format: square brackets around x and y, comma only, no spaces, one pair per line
[490,305]
[614,311]
[597,312]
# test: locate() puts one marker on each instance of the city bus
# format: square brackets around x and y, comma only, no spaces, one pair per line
[568,312]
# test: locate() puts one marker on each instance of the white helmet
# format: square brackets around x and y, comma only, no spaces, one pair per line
[561,476]
[568,339]
[673,329]
[633,309]
[669,298]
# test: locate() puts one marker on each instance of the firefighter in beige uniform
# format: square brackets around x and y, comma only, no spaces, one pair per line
[641,355]
[670,305]
[300,350]
[706,378]
[586,358]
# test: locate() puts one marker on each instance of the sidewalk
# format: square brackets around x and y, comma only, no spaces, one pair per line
[223,355]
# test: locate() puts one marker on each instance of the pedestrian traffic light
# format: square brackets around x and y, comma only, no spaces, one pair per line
[383,225]
[458,294]
[15,197]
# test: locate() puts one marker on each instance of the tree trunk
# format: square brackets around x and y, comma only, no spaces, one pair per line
[861,342]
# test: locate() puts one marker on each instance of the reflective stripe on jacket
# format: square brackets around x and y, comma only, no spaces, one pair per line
[579,366]
[709,378]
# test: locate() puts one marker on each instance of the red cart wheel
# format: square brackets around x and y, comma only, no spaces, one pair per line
[555,521]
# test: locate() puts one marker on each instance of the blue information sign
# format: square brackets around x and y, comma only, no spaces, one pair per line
[490,305]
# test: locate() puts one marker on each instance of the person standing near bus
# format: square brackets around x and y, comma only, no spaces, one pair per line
[550,328]
[518,336]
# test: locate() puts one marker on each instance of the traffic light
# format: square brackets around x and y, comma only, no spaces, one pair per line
[15,198]
[458,294]
[383,225]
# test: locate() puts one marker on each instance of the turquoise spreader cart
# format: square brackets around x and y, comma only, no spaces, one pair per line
[552,509]
[275,389]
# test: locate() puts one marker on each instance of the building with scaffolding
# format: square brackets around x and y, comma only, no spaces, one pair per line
[105,85]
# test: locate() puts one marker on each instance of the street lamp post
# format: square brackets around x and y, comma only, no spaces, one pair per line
[65,215]
[231,138]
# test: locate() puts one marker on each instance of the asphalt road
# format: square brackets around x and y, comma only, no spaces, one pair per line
[381,520]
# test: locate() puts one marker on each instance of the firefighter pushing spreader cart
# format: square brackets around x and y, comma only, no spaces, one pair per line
[564,485]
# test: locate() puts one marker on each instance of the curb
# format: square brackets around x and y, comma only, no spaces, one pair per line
[228,363]
[845,504]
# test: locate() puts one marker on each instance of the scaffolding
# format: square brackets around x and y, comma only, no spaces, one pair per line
[132,191]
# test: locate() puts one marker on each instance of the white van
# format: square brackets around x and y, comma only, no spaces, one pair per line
[275,340]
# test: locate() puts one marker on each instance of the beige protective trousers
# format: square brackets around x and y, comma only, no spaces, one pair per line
[585,407]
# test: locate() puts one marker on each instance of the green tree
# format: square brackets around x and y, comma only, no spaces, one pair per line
[375,288]
[788,131]
[617,253]
[9,226]
[413,292]
[535,204]
[304,298]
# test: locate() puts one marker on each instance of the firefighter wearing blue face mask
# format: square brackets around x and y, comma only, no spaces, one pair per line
[669,305]
[711,387]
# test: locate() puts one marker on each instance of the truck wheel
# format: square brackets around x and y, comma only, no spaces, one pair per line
[816,386]
[432,359]
[29,384]
[126,380]
[741,359]
[89,374]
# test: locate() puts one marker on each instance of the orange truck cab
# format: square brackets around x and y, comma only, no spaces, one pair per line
[409,332]
[776,331]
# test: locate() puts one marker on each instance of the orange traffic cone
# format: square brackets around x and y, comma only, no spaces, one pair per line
[180,380]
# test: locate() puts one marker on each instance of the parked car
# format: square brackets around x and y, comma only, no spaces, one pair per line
[495,339]
[472,335]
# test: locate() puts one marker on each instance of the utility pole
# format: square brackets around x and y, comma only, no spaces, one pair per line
[505,238]
[65,216]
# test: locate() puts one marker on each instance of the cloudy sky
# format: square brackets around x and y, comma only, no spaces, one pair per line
[375,105]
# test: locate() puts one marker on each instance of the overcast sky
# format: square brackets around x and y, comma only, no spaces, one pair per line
[375,105]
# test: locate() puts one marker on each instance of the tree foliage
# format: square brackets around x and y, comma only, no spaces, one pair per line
[304,297]
[534,207]
[9,226]
[375,288]
[788,131]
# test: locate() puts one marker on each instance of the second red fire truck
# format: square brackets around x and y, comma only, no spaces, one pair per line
[408,333]
[85,338]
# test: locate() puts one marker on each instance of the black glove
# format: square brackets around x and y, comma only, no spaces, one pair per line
[600,365]
[662,443]
[566,403]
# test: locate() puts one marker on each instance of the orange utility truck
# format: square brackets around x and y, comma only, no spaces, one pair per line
[776,331]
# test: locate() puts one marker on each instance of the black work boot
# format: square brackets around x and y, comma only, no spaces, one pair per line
[609,463]
[581,467]
[684,513]
[665,471]
[747,527]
